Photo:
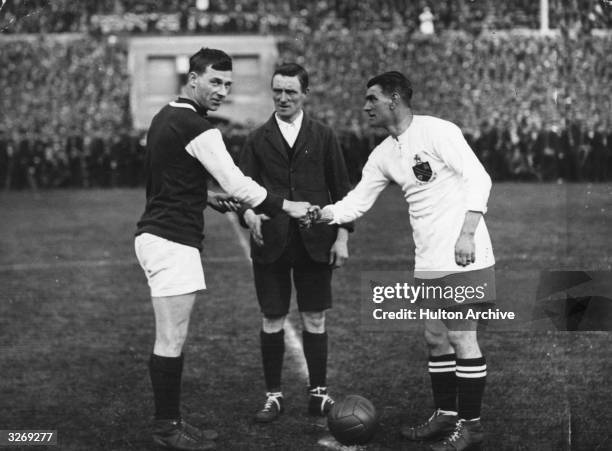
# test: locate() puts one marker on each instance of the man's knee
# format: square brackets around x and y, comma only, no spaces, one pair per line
[437,340]
[171,323]
[313,322]
[169,342]
[462,338]
[273,324]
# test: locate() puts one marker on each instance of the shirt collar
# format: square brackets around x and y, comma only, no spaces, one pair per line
[297,122]
[201,111]
[404,135]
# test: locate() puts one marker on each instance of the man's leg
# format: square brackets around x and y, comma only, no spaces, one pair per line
[273,287]
[172,314]
[471,368]
[314,339]
[272,342]
[314,295]
[441,368]
[174,273]
[471,378]
[273,350]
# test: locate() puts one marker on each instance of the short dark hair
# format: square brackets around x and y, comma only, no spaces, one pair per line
[391,82]
[293,70]
[217,59]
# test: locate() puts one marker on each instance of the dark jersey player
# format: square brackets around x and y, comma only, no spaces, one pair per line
[184,151]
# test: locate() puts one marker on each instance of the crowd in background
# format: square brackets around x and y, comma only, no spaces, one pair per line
[34,161]
[281,16]
[532,107]
[512,80]
[52,87]
[540,104]
[61,101]
[572,153]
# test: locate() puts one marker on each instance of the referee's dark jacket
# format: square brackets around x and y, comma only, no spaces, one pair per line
[313,171]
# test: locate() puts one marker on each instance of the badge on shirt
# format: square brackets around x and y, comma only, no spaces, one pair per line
[422,170]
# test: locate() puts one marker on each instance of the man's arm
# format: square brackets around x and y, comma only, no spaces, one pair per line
[338,254]
[336,174]
[209,149]
[249,165]
[222,202]
[253,221]
[454,150]
[465,247]
[361,198]
[337,181]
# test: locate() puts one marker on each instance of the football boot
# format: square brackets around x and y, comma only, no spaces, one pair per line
[179,435]
[437,426]
[467,436]
[319,402]
[271,409]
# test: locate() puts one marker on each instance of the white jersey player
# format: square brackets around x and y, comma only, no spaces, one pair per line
[447,190]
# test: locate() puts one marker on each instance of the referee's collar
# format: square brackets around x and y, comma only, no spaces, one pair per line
[183,100]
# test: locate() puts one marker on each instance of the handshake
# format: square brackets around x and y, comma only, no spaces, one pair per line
[313,215]
[306,213]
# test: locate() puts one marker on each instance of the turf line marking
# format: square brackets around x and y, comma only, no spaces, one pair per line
[293,342]
[67,264]
[399,259]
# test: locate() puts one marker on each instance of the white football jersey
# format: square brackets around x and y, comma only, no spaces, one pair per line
[441,179]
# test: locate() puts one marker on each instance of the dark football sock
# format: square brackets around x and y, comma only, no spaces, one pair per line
[272,352]
[471,379]
[315,351]
[443,381]
[166,373]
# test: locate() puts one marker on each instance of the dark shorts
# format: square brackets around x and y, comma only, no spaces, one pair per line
[312,281]
[450,291]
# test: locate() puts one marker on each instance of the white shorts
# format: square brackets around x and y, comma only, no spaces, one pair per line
[171,268]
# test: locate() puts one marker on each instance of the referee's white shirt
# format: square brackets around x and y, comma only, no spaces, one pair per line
[437,207]
[290,130]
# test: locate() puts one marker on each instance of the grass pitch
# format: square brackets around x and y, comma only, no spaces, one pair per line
[76,328]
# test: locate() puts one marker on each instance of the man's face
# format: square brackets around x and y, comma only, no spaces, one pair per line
[377,107]
[288,96]
[211,87]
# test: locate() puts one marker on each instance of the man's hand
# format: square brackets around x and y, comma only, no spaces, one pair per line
[326,214]
[317,215]
[338,254]
[223,202]
[311,217]
[254,221]
[295,209]
[465,250]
